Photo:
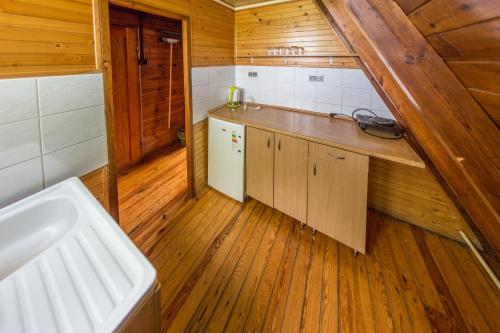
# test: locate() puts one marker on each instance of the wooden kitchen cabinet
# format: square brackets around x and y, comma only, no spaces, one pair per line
[260,165]
[290,176]
[337,194]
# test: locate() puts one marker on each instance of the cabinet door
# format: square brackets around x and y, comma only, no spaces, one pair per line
[260,165]
[290,176]
[337,199]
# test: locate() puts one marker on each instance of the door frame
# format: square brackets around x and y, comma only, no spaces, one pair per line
[103,52]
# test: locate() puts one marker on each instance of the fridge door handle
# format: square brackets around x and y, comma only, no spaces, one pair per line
[269,142]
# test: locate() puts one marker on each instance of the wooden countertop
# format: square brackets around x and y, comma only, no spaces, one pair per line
[335,132]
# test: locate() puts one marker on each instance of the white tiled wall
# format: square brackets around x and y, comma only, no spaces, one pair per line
[210,86]
[341,91]
[51,128]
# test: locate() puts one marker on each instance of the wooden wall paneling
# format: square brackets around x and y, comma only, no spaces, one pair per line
[155,76]
[413,195]
[97,183]
[200,152]
[410,5]
[458,141]
[465,34]
[479,41]
[211,27]
[296,23]
[442,15]
[490,102]
[47,38]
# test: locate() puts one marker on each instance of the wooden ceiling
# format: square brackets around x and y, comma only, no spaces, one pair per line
[465,33]
[239,3]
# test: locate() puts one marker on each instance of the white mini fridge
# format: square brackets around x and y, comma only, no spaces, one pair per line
[226,158]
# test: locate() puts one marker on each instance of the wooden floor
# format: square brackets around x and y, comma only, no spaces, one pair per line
[226,266]
[148,189]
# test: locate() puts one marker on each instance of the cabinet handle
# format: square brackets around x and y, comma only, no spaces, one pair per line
[269,142]
[336,157]
[279,144]
[314,170]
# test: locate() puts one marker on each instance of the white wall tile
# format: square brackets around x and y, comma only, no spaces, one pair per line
[377,102]
[69,128]
[305,105]
[64,93]
[355,78]
[266,73]
[328,108]
[201,93]
[305,91]
[285,74]
[221,74]
[285,102]
[284,90]
[76,160]
[331,76]
[17,100]
[199,76]
[20,180]
[356,97]
[302,74]
[19,141]
[329,94]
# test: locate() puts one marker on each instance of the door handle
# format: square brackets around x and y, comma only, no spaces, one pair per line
[336,157]
[269,142]
[314,170]
[279,144]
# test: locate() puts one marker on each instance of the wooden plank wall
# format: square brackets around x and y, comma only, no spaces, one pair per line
[296,23]
[212,26]
[200,147]
[413,195]
[154,84]
[46,37]
[97,183]
[465,33]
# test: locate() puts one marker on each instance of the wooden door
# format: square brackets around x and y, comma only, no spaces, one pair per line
[290,176]
[337,194]
[126,96]
[260,165]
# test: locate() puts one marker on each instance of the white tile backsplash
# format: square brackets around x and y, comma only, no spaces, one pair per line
[199,76]
[17,100]
[210,88]
[285,74]
[355,78]
[328,108]
[331,76]
[305,91]
[329,94]
[64,93]
[19,141]
[50,133]
[342,90]
[76,160]
[69,128]
[20,180]
[360,98]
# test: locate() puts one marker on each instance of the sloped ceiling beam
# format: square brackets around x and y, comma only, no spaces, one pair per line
[459,142]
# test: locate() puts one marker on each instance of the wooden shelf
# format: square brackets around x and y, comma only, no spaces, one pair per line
[302,56]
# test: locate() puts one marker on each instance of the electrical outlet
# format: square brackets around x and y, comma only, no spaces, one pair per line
[253,74]
[316,78]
